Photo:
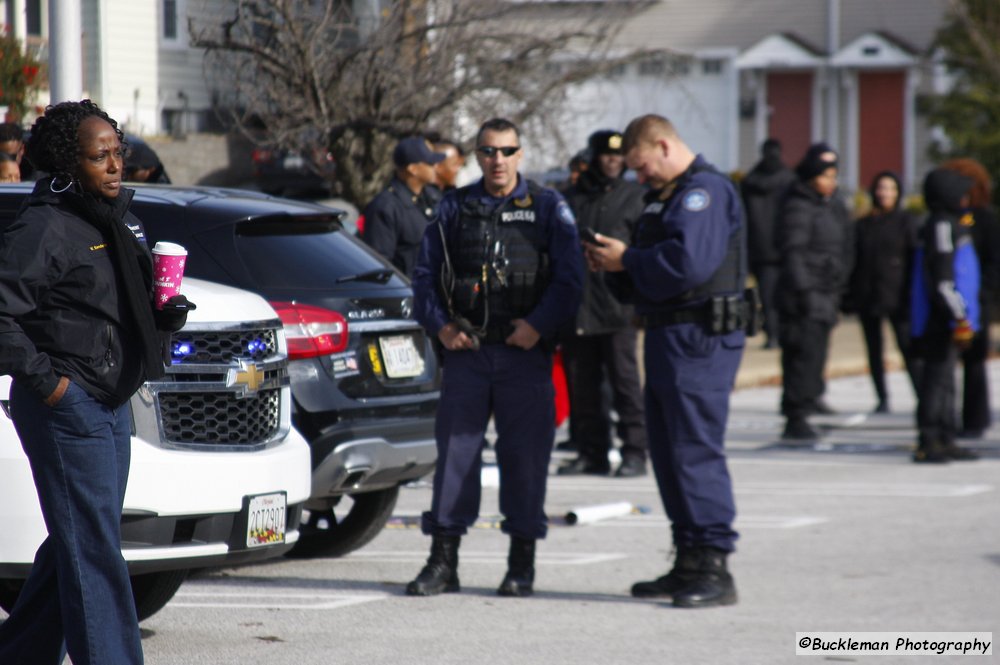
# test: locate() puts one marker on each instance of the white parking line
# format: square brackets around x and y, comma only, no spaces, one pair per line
[742,522]
[546,558]
[904,490]
[282,600]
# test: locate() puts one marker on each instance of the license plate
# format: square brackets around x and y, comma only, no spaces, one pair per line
[400,357]
[266,520]
[293,162]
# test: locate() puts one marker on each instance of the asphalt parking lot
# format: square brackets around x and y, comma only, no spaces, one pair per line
[844,535]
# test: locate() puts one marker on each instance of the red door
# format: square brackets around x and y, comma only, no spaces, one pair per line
[789,102]
[880,120]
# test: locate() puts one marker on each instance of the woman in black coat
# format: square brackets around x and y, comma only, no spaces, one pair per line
[80,335]
[815,241]
[879,286]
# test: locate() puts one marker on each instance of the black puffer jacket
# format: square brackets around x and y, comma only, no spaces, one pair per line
[609,207]
[814,235]
[884,243]
[60,310]
[763,190]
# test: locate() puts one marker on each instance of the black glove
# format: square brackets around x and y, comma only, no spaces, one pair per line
[174,314]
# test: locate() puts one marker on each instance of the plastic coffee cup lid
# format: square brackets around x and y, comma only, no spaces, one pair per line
[169,249]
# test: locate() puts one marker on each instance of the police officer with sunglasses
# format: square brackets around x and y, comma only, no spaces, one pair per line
[499,272]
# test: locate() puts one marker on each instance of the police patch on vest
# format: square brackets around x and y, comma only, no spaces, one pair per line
[653,208]
[518,216]
[696,200]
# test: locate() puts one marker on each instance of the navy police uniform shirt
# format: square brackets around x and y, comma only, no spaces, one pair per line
[562,295]
[698,218]
[395,222]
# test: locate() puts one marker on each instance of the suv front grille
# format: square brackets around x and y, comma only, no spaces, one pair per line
[219,418]
[224,346]
[224,388]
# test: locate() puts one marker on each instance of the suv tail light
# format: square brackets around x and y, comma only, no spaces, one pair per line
[311,331]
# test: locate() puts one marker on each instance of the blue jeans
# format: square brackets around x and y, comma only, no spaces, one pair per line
[77,598]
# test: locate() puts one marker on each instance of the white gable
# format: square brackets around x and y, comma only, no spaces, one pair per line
[777,52]
[873,50]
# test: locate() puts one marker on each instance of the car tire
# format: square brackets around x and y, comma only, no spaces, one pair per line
[328,534]
[151,591]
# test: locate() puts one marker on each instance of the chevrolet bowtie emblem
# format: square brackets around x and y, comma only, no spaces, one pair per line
[248,378]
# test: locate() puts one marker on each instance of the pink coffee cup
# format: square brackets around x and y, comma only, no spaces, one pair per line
[168,268]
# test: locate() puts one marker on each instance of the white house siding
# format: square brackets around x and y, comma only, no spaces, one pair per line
[128,57]
[185,95]
[701,104]
[91,45]
[689,25]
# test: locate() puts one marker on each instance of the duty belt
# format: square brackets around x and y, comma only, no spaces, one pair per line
[673,317]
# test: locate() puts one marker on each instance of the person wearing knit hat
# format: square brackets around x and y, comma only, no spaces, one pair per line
[814,236]
[600,344]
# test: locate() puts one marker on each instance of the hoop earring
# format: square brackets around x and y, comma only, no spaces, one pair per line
[52,186]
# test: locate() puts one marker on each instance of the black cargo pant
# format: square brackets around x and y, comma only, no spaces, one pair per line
[804,347]
[588,360]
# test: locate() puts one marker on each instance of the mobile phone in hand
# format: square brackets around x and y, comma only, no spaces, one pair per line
[589,237]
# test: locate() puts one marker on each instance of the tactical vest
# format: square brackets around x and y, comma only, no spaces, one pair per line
[500,261]
[730,276]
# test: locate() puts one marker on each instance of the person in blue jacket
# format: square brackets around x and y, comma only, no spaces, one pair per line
[944,310]
[686,270]
[499,272]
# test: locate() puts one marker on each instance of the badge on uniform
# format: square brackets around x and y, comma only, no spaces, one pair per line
[564,213]
[696,200]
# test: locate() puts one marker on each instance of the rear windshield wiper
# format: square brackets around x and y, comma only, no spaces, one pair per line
[380,275]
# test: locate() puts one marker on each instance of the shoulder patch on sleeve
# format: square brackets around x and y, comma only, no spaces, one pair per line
[564,214]
[697,200]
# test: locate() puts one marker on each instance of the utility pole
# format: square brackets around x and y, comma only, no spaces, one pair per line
[65,50]
[832,77]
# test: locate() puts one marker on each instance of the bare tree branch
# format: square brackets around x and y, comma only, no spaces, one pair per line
[305,74]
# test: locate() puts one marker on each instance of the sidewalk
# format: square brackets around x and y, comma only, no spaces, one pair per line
[761,367]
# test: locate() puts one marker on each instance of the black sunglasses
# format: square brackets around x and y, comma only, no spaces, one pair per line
[490,151]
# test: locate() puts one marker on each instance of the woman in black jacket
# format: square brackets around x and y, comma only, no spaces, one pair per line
[879,287]
[814,237]
[78,335]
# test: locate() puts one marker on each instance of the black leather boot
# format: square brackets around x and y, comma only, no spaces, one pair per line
[520,568]
[684,570]
[441,572]
[711,585]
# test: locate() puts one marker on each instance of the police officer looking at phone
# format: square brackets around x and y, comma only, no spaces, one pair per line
[499,271]
[685,272]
